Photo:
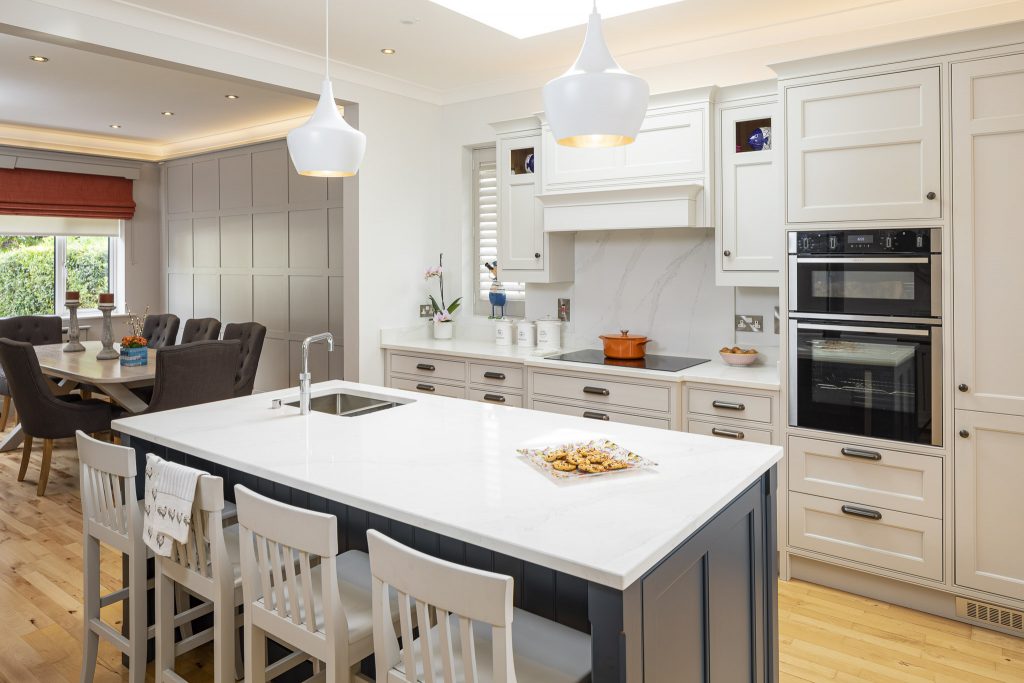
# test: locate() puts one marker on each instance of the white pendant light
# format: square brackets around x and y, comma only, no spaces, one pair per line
[596,103]
[326,146]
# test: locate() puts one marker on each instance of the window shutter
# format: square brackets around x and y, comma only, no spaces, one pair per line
[485,179]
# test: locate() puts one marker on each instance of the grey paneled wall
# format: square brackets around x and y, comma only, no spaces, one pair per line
[247,238]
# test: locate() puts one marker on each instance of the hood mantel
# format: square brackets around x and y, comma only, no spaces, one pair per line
[671,206]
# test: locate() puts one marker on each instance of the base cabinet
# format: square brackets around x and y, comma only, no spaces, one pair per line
[988,456]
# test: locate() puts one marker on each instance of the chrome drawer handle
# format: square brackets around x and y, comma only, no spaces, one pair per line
[861,512]
[600,391]
[426,387]
[730,433]
[497,398]
[861,453]
[425,366]
[728,406]
[494,375]
[595,416]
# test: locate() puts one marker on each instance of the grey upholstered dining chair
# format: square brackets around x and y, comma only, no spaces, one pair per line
[200,329]
[251,335]
[161,330]
[37,330]
[190,374]
[44,415]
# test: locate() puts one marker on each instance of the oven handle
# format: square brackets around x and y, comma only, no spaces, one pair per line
[856,328]
[896,260]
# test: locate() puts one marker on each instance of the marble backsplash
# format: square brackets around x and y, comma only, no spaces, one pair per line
[660,283]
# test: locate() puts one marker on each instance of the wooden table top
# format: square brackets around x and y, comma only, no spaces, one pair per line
[83,367]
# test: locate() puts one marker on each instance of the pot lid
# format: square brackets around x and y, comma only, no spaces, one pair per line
[623,334]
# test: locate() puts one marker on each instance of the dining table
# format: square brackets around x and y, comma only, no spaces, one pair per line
[69,370]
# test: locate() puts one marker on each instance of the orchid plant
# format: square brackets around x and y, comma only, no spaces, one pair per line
[442,312]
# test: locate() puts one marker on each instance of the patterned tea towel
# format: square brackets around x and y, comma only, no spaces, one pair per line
[167,511]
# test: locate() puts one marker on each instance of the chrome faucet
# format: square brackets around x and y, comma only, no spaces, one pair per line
[305,376]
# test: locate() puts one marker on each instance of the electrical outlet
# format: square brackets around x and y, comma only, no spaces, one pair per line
[426,311]
[563,310]
[749,323]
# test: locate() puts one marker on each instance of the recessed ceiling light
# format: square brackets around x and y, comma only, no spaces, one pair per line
[388,51]
[115,125]
[39,58]
[167,113]
[231,97]
[527,18]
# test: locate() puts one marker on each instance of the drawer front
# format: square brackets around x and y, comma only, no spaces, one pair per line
[729,405]
[434,368]
[425,387]
[496,397]
[601,391]
[729,431]
[875,536]
[496,375]
[601,415]
[907,482]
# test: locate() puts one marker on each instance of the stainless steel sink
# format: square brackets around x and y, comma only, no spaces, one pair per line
[349,405]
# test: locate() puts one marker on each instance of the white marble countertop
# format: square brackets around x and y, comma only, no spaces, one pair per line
[450,466]
[759,376]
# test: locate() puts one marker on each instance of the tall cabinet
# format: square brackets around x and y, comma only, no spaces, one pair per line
[988,373]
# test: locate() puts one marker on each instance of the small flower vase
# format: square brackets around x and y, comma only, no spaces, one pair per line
[135,357]
[444,330]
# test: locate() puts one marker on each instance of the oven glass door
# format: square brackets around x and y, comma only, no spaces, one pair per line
[899,286]
[875,381]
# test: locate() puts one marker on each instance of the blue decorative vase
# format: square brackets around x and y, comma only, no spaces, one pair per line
[529,163]
[135,357]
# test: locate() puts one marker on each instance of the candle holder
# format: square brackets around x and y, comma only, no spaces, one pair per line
[107,352]
[73,345]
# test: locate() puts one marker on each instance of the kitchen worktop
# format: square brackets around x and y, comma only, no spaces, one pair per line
[760,376]
[450,466]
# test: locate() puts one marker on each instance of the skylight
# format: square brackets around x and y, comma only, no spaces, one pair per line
[528,18]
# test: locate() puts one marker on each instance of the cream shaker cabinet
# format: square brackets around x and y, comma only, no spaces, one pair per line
[750,240]
[988,164]
[988,479]
[864,149]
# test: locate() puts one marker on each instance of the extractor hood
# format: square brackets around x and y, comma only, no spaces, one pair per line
[671,206]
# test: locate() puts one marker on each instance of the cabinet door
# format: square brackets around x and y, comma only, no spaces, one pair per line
[521,222]
[864,148]
[752,233]
[988,164]
[988,476]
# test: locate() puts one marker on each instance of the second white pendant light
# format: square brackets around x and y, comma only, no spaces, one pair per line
[596,103]
[326,145]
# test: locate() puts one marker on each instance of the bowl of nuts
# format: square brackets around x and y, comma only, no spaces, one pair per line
[737,356]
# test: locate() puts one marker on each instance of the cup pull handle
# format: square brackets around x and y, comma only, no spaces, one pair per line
[494,375]
[426,387]
[600,391]
[861,512]
[595,416]
[425,366]
[728,405]
[497,398]
[729,433]
[861,453]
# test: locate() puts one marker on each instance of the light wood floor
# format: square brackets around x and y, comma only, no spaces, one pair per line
[826,635]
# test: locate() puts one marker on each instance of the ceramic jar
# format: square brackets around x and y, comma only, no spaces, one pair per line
[549,335]
[503,332]
[526,334]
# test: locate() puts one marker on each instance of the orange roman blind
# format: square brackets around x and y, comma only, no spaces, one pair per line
[28,192]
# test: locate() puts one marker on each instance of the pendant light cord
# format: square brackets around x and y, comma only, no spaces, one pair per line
[327,38]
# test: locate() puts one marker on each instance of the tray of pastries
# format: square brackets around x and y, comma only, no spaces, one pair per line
[584,459]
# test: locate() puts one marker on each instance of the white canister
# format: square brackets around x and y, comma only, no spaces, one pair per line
[503,335]
[549,335]
[526,333]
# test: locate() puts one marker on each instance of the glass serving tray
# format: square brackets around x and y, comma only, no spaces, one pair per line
[582,459]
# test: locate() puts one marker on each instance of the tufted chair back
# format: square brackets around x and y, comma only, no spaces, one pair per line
[161,330]
[191,374]
[200,329]
[36,330]
[251,335]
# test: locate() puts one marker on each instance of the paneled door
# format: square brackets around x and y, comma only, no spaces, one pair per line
[864,149]
[988,240]
[521,219]
[988,476]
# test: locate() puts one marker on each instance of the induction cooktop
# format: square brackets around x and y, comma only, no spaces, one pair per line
[648,362]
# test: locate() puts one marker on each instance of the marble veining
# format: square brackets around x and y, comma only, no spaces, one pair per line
[450,466]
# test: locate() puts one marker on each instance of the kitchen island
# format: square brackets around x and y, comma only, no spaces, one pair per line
[671,570]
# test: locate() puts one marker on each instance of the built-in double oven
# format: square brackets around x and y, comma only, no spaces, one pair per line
[865,333]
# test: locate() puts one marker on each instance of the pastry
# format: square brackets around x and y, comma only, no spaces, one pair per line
[563,466]
[592,467]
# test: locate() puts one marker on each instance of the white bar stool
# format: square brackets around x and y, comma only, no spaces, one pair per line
[473,637]
[300,592]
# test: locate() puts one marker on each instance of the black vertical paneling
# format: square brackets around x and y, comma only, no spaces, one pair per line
[340,510]
[571,602]
[479,558]
[265,487]
[504,564]
[426,541]
[605,608]
[317,504]
[452,550]
[538,590]
[355,528]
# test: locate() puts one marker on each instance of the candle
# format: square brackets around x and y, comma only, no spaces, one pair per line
[106,298]
[71,296]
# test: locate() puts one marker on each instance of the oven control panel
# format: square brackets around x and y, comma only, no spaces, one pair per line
[912,241]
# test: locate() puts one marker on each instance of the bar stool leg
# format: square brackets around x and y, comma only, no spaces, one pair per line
[91,639]
[255,652]
[138,628]
[164,626]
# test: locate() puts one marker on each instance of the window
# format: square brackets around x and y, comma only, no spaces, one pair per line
[485,217]
[42,257]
